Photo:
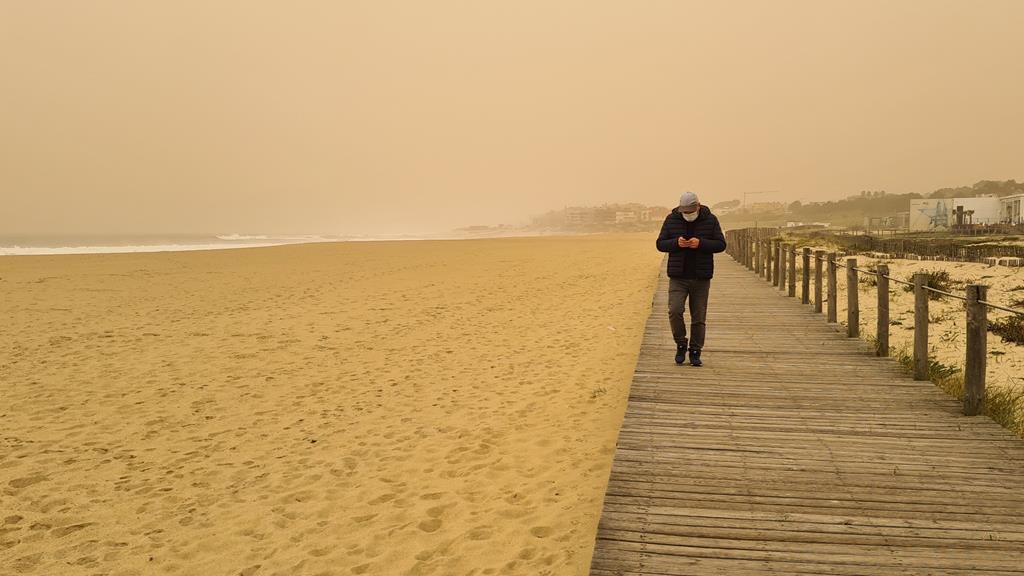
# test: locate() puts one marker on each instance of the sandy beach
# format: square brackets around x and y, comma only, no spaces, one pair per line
[429,407]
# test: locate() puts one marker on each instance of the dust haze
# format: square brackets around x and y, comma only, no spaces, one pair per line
[383,117]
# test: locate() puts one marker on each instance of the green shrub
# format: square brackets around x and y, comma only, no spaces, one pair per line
[937,279]
[1010,329]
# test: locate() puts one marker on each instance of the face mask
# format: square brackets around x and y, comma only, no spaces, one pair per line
[689,217]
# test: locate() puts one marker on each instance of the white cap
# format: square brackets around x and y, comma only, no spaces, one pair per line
[688,200]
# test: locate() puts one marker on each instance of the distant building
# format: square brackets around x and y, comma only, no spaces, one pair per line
[625,216]
[880,222]
[575,215]
[897,221]
[1010,209]
[945,213]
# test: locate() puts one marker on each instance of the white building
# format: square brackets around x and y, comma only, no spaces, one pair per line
[943,213]
[1010,209]
[625,216]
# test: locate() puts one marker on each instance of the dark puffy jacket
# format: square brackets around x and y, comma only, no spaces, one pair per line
[705,227]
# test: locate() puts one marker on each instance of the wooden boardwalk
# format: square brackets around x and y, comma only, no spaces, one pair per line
[793,450]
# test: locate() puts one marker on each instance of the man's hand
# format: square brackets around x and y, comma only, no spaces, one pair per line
[688,243]
[694,242]
[683,243]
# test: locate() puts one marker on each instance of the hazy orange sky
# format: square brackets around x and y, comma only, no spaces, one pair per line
[380,116]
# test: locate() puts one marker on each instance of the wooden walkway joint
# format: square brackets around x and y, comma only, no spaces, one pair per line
[795,450]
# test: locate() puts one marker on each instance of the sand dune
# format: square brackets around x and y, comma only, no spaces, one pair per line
[948,318]
[434,407]
[947,329]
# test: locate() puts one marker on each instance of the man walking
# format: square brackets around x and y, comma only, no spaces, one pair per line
[691,235]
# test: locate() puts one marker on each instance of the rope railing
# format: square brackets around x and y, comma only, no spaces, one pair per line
[764,252]
[1003,308]
[905,283]
[944,293]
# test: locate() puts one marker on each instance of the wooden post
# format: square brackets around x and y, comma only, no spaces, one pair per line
[755,255]
[805,292]
[920,327]
[760,258]
[852,299]
[766,261]
[781,265]
[744,247]
[752,257]
[750,251]
[818,255]
[977,350]
[772,262]
[882,333]
[833,315]
[775,261]
[792,270]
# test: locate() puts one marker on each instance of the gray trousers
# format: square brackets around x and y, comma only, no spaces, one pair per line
[696,291]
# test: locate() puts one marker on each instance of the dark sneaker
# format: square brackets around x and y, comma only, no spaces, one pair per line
[680,354]
[695,357]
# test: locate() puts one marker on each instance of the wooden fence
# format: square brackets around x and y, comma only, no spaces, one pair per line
[918,248]
[764,253]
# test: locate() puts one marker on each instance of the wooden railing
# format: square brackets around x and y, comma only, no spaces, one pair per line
[766,254]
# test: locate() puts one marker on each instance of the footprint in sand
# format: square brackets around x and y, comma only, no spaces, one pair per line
[431,525]
[382,499]
[438,511]
[65,530]
[527,553]
[27,481]
[541,531]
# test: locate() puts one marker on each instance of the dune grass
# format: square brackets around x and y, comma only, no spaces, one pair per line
[1004,405]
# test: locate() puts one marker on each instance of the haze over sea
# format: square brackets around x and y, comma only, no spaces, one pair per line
[24,245]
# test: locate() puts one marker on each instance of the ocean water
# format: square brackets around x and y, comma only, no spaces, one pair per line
[11,245]
[23,245]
